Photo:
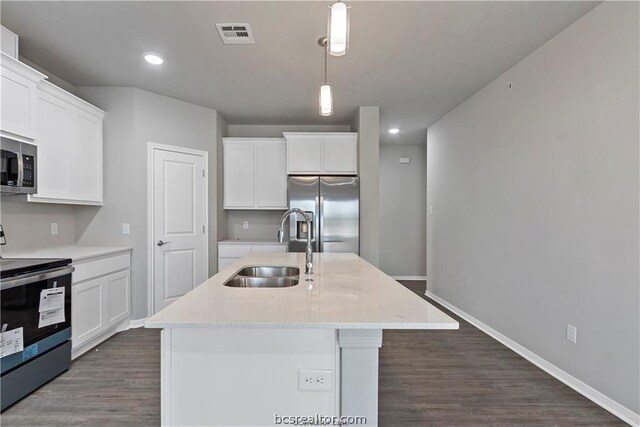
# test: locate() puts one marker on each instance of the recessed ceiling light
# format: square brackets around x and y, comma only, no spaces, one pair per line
[393,131]
[153,58]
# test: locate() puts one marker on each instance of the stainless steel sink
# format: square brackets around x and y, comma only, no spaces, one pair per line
[261,282]
[264,271]
[265,277]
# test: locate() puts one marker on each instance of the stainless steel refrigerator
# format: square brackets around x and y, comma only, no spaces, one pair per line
[333,204]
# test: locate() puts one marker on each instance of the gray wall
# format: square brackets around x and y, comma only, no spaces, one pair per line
[263,225]
[367,124]
[134,118]
[28,225]
[403,199]
[535,194]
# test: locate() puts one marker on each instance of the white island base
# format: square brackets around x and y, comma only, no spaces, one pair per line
[241,356]
[251,377]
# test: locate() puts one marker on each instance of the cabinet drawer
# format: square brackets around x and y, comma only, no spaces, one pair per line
[101,266]
[269,248]
[233,251]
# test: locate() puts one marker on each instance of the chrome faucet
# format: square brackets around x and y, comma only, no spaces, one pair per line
[308,267]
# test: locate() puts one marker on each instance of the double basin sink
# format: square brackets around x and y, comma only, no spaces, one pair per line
[265,277]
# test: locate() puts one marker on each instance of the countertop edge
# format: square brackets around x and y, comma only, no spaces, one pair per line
[64,252]
[251,242]
[324,325]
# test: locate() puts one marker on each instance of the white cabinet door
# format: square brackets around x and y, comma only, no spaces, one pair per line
[18,97]
[54,147]
[322,153]
[239,178]
[271,175]
[304,155]
[340,154]
[69,148]
[87,308]
[117,296]
[85,157]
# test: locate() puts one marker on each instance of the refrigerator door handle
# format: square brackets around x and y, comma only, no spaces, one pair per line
[319,209]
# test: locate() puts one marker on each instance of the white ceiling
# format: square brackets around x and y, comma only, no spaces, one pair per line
[416,60]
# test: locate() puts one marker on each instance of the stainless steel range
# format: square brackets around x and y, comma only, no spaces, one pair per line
[35,312]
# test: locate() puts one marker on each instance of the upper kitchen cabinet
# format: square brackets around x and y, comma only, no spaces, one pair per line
[69,148]
[255,173]
[18,95]
[313,153]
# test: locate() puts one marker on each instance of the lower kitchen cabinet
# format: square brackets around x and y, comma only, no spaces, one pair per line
[100,299]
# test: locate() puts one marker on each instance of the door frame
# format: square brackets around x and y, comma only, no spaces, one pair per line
[151,148]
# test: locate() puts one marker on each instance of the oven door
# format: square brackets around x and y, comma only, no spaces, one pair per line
[19,307]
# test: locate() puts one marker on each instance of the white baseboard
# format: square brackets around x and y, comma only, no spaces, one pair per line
[620,411]
[137,323]
[409,277]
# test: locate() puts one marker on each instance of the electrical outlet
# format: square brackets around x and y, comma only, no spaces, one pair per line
[430,210]
[245,225]
[125,228]
[315,379]
[572,333]
[54,228]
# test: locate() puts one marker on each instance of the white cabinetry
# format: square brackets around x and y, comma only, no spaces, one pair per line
[228,252]
[331,153]
[100,299]
[69,148]
[18,98]
[255,173]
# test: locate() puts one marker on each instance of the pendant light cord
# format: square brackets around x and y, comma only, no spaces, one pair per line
[325,66]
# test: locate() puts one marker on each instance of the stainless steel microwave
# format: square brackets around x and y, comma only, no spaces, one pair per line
[18,167]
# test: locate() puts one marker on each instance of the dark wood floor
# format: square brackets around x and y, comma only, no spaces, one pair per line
[427,378]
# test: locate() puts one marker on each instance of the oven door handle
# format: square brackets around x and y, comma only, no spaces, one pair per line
[35,277]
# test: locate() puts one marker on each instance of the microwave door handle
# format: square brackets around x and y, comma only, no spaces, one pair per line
[20,169]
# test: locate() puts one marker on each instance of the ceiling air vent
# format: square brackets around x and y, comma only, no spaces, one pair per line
[235,33]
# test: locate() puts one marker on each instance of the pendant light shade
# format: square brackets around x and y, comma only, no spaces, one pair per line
[338,29]
[326,100]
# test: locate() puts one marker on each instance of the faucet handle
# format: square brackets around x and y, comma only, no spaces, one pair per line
[280,235]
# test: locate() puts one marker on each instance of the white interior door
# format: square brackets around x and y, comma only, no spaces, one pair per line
[179,224]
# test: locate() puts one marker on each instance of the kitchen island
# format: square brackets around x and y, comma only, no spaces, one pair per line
[253,356]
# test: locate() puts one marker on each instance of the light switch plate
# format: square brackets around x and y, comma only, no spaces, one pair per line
[54,228]
[125,228]
[572,334]
[245,225]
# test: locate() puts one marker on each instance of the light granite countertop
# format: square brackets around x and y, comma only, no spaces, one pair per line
[346,293]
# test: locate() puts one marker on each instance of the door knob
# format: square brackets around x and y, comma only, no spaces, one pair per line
[160,243]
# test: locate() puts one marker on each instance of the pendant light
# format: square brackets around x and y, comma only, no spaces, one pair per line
[326,98]
[338,29]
